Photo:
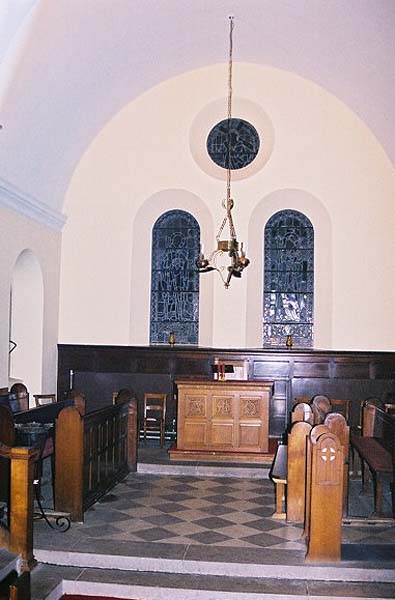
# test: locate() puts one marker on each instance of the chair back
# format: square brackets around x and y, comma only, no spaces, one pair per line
[155,403]
[342,407]
[42,399]
[19,397]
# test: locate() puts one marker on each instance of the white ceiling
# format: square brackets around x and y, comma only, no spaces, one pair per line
[72,64]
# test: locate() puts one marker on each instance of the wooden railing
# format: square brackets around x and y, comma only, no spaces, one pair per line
[18,538]
[92,454]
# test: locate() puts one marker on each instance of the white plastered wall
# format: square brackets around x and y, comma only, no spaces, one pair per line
[18,234]
[323,161]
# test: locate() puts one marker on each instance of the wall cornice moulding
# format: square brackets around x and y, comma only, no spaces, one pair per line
[12,197]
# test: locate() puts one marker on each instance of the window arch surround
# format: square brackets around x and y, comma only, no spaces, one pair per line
[141,249]
[315,209]
[175,278]
[288,294]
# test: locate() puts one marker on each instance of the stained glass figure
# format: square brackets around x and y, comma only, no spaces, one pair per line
[244,143]
[288,295]
[175,279]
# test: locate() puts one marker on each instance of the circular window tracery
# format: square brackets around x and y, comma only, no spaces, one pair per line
[244,143]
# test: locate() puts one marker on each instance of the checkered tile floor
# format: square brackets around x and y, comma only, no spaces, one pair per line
[201,511]
[189,510]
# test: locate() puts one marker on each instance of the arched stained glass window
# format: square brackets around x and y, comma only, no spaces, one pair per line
[175,279]
[288,301]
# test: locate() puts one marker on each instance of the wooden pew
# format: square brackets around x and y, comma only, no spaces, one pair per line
[16,586]
[336,405]
[93,453]
[289,469]
[324,500]
[296,475]
[314,459]
[301,412]
[337,424]
[19,537]
[7,437]
[376,449]
[278,474]
[8,420]
[42,414]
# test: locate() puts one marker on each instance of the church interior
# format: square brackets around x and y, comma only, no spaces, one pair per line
[196,310]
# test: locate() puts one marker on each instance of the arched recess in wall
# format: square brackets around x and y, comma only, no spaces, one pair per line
[143,223]
[26,322]
[317,213]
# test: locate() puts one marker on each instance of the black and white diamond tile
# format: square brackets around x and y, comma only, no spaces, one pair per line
[196,511]
[193,511]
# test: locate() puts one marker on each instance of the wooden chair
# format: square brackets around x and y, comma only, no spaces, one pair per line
[321,406]
[342,407]
[41,399]
[122,395]
[19,397]
[78,399]
[302,412]
[155,415]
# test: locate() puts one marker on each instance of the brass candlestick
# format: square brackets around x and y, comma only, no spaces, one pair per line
[289,342]
[172,338]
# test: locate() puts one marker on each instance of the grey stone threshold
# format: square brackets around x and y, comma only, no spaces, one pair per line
[200,470]
[274,568]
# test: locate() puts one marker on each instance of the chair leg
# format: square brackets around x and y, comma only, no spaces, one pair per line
[378,494]
[363,474]
[52,459]
[162,434]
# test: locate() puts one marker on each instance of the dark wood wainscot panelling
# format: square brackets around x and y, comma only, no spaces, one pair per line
[338,374]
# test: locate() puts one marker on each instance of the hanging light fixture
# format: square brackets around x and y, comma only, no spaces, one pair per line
[230,246]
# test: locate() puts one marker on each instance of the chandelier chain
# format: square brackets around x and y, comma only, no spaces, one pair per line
[230,246]
[229,150]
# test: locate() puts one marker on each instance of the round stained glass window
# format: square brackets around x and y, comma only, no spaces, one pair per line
[244,143]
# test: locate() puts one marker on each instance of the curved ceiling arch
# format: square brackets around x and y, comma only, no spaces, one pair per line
[82,63]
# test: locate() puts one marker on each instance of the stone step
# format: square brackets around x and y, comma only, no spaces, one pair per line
[164,586]
[282,565]
[204,470]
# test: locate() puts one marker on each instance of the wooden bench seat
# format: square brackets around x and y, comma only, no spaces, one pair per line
[377,457]
[375,447]
[278,475]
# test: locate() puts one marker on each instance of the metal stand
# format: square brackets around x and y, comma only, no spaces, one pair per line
[62,521]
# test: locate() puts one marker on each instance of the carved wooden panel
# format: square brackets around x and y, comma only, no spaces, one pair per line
[249,407]
[235,419]
[195,406]
[222,406]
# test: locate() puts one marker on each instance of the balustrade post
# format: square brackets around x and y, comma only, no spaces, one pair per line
[22,504]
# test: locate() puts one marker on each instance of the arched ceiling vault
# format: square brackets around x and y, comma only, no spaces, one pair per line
[72,65]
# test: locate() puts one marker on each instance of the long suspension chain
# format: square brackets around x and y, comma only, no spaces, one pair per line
[229,201]
[230,65]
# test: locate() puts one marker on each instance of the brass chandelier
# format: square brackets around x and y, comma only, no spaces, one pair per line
[234,249]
